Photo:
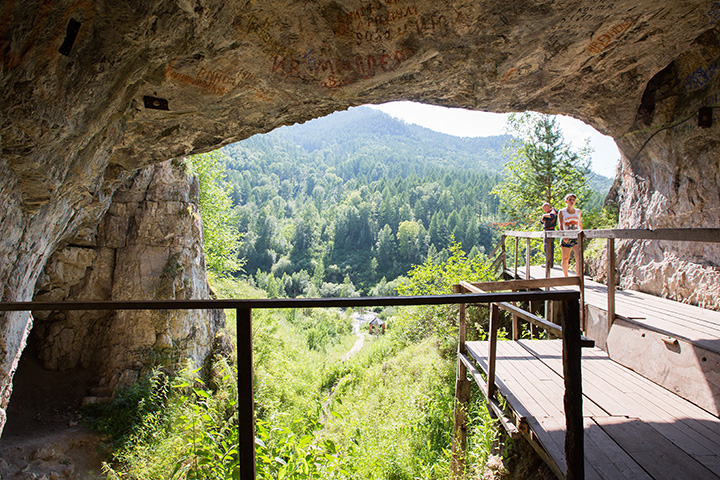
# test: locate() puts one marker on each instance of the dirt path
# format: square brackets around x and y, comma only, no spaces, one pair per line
[359,343]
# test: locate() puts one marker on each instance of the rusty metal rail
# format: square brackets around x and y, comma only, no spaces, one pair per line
[244,332]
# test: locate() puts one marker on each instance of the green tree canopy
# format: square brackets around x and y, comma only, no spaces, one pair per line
[220,221]
[541,168]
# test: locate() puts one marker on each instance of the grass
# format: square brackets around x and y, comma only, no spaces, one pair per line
[384,413]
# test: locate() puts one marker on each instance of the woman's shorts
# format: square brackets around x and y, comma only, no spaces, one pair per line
[568,242]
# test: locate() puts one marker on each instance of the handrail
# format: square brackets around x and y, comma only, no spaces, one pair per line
[550,327]
[274,303]
[702,235]
[710,235]
[572,342]
[246,423]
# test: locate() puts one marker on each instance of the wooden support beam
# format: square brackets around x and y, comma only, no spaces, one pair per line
[611,282]
[459,444]
[492,354]
[581,275]
[246,417]
[512,428]
[517,240]
[527,259]
[462,398]
[532,284]
[550,327]
[573,401]
[548,258]
[504,254]
[709,235]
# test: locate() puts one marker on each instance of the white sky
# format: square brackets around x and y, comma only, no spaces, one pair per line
[468,123]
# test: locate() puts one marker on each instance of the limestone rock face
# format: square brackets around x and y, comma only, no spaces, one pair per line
[147,246]
[93,91]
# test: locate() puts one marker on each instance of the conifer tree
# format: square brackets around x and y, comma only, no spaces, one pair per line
[541,168]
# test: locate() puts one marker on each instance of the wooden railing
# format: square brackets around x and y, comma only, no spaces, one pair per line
[244,332]
[708,235]
[572,340]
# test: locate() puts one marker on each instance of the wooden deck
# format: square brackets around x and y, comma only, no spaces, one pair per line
[634,428]
[667,317]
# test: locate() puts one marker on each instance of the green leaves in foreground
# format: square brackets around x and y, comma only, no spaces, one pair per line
[282,454]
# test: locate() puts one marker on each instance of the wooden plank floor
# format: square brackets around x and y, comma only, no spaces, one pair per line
[634,429]
[668,317]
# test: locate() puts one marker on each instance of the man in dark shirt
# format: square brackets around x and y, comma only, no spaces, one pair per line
[549,222]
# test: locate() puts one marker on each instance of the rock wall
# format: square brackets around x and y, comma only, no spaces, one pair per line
[147,246]
[670,178]
[93,91]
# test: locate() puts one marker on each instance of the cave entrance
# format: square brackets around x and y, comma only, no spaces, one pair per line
[44,401]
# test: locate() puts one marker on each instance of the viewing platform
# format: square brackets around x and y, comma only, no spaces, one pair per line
[642,401]
[634,428]
[674,344]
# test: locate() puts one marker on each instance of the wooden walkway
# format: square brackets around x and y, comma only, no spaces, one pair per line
[674,319]
[634,428]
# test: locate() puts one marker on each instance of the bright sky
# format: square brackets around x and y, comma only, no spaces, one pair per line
[467,123]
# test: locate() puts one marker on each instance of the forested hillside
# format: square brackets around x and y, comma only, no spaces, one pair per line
[334,206]
[344,201]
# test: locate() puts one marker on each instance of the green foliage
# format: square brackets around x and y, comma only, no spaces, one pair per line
[220,222]
[281,453]
[182,430]
[541,168]
[602,218]
[435,277]
[134,414]
[208,428]
[384,413]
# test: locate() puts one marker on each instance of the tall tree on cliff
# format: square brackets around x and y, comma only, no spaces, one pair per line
[541,168]
[221,235]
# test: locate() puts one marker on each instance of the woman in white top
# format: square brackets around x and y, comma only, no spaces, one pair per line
[569,219]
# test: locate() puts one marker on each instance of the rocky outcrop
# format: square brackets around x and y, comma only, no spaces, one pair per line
[670,177]
[147,246]
[93,91]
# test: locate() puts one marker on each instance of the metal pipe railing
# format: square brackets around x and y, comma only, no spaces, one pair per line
[244,331]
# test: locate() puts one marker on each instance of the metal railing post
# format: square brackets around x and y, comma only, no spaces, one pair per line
[581,274]
[246,415]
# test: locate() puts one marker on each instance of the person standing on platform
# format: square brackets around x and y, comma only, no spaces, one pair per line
[570,219]
[549,222]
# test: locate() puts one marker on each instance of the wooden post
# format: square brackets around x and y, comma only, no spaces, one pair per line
[548,258]
[611,282]
[527,259]
[504,255]
[246,418]
[462,397]
[517,241]
[581,275]
[492,351]
[573,401]
[548,261]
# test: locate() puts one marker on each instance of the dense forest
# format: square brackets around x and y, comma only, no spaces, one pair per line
[342,205]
